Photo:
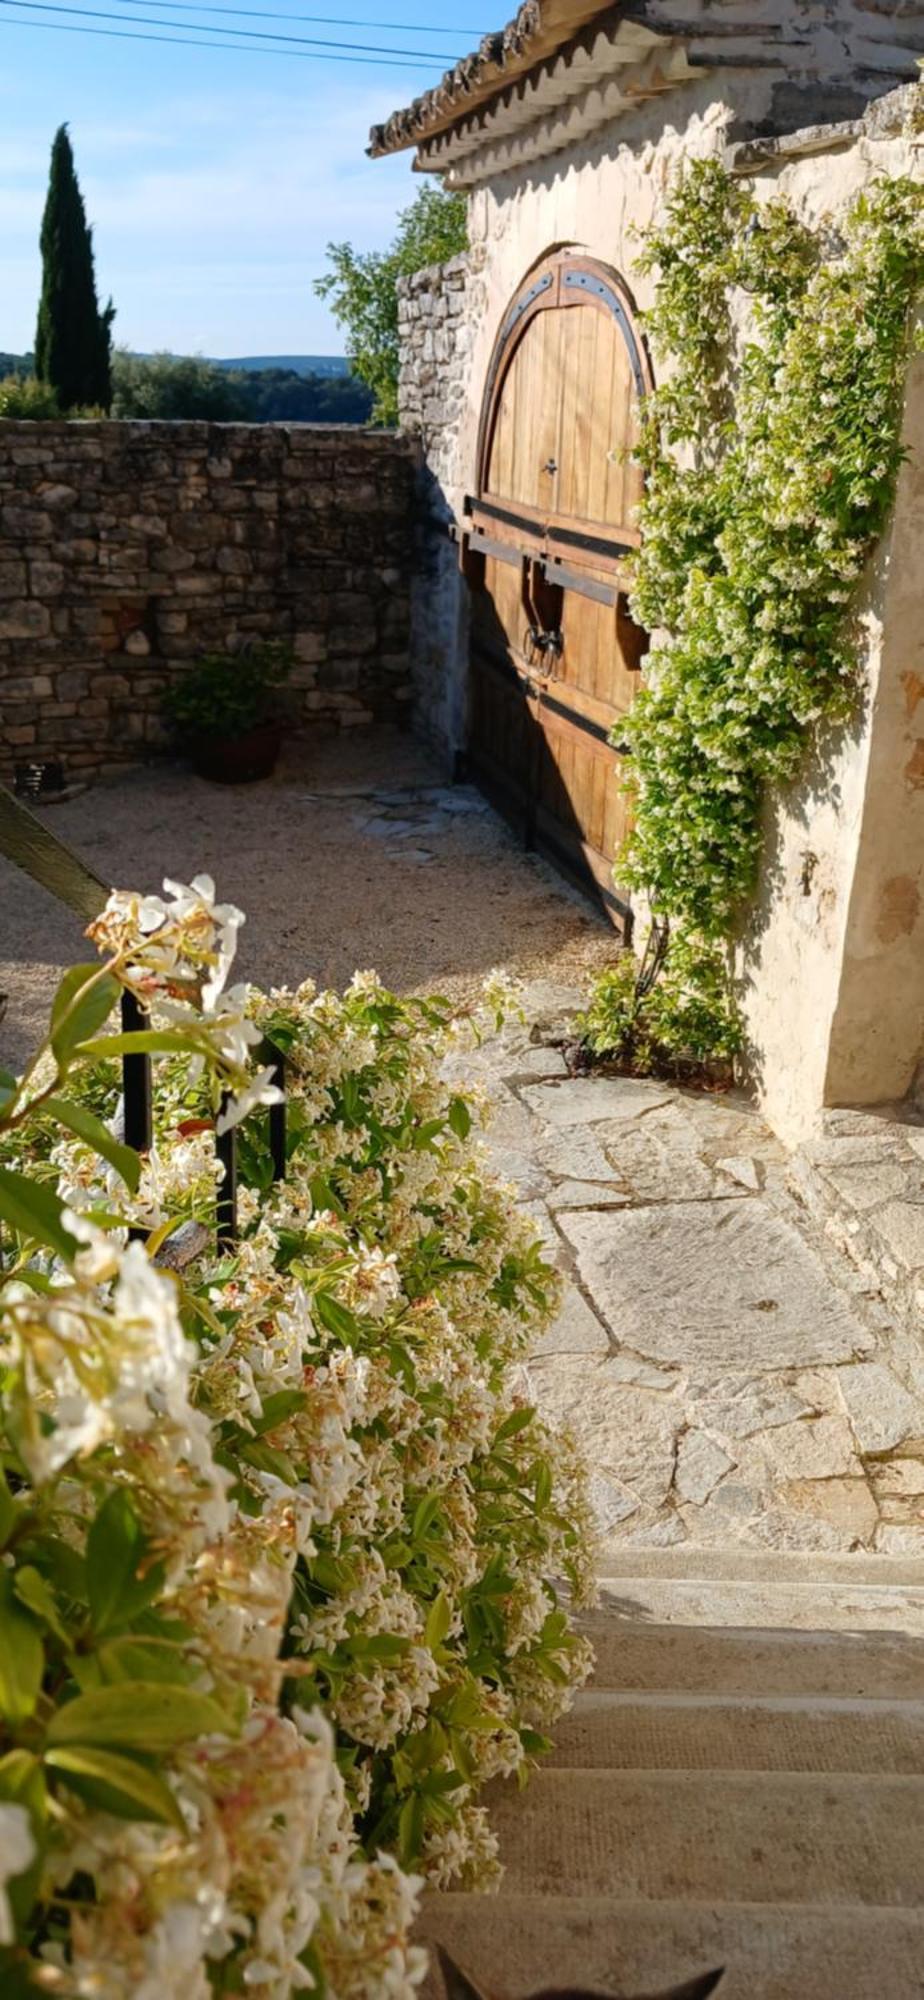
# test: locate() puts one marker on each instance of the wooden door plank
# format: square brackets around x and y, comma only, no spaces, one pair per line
[617,471]
[545,417]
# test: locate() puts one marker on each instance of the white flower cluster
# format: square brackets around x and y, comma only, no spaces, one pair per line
[175,953]
[301,1486]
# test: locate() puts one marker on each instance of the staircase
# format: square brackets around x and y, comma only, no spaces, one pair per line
[742,1785]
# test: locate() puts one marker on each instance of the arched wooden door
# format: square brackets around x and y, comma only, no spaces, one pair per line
[555,656]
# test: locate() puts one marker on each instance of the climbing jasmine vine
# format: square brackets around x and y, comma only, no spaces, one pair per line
[770,452]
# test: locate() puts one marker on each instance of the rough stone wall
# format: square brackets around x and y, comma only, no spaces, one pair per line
[438,314]
[126,549]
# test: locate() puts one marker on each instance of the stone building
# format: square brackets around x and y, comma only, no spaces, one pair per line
[565,130]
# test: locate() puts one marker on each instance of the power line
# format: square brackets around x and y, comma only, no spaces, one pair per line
[318,20]
[240,34]
[190,42]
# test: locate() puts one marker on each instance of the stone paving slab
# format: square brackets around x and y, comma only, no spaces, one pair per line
[706,1283]
[735,1378]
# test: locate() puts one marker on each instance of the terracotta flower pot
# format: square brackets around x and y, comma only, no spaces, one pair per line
[238,760]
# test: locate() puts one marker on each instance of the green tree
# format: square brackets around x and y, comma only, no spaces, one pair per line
[362,288]
[177,387]
[73,341]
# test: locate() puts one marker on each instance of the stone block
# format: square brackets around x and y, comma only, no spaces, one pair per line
[691,1283]
[701,1464]
[56,495]
[46,579]
[82,550]
[900,1225]
[883,1412]
[26,523]
[23,618]
[72,683]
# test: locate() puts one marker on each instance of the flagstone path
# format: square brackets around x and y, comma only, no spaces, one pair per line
[733,1378]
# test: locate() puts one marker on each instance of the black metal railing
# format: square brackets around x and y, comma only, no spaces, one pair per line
[27,842]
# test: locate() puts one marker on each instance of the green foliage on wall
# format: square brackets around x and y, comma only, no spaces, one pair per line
[362,288]
[771,451]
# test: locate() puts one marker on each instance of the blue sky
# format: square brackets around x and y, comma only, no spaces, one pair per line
[213,178]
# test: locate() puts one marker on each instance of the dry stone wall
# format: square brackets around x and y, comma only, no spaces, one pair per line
[438,316]
[126,549]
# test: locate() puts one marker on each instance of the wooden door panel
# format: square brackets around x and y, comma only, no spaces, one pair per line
[594,658]
[555,657]
[503,740]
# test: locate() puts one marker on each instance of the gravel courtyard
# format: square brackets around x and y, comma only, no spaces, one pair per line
[356,855]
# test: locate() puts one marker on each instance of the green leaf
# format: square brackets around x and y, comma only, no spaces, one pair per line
[534,1744]
[116,1547]
[21,1782]
[426,1513]
[276,1408]
[462,1755]
[8,1511]
[116,1784]
[460,1118]
[411,1828]
[439,1621]
[22,1656]
[141,1042]
[512,1425]
[139,1715]
[338,1319]
[386,1646]
[88,1127]
[427,1133]
[132,1659]
[84,1000]
[35,1212]
[37,1595]
[266,1458]
[542,1483]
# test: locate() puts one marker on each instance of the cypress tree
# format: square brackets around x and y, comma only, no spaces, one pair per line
[73,343]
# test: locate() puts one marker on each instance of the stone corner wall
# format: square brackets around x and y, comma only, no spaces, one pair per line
[128,548]
[439,310]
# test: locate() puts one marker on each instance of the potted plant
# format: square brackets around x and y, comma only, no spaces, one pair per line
[224,712]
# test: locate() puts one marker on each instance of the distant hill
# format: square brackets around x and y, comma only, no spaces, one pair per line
[295,364]
[248,364]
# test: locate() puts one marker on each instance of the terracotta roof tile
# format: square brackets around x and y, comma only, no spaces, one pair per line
[540,27]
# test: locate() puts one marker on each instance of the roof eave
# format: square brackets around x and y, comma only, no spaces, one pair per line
[539,29]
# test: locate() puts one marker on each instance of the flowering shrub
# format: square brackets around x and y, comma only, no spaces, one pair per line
[665,1019]
[770,459]
[279,1529]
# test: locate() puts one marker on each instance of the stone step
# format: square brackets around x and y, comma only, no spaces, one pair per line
[680,1659]
[767,1566]
[517,1944]
[721,1733]
[774,1837]
[806,1606]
